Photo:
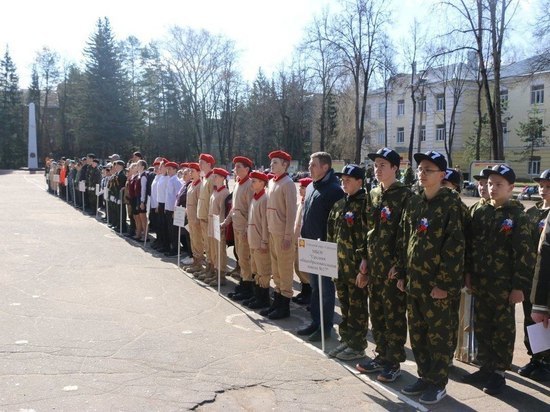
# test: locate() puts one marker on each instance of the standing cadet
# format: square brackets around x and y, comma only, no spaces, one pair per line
[387,304]
[540,292]
[197,245]
[538,367]
[173,186]
[118,182]
[217,208]
[238,216]
[206,163]
[94,178]
[347,227]
[501,260]
[430,258]
[304,297]
[281,215]
[258,239]
[321,196]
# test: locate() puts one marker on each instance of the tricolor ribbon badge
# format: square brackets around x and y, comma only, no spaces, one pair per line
[507,226]
[385,214]
[423,225]
[350,217]
[541,225]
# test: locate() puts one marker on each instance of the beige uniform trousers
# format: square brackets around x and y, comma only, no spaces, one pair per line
[197,242]
[205,240]
[214,254]
[282,262]
[243,252]
[261,266]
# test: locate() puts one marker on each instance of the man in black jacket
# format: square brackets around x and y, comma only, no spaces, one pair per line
[321,195]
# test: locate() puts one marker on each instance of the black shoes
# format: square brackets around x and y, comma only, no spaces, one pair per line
[282,310]
[304,297]
[308,330]
[494,384]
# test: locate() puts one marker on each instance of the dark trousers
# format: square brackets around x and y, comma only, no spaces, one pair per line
[329,300]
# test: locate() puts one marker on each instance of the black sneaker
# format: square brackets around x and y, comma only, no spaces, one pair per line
[495,384]
[371,365]
[479,376]
[541,374]
[529,368]
[390,373]
[432,395]
[416,388]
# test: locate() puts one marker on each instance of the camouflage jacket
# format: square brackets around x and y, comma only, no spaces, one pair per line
[384,211]
[347,227]
[499,245]
[93,177]
[540,293]
[537,216]
[116,183]
[430,244]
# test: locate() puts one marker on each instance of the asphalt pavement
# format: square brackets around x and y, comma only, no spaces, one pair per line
[94,321]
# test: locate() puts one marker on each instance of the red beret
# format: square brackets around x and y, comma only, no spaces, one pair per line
[184,165]
[305,181]
[244,160]
[280,154]
[172,164]
[220,172]
[259,175]
[156,163]
[194,165]
[207,158]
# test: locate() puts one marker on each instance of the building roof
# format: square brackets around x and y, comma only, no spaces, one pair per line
[527,67]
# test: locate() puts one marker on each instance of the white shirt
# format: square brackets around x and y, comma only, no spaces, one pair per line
[172,189]
[161,189]
[154,192]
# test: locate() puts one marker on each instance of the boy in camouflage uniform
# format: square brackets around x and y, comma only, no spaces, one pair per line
[500,260]
[430,257]
[387,304]
[538,367]
[346,226]
[540,293]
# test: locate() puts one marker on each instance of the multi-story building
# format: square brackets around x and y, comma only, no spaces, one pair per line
[446,113]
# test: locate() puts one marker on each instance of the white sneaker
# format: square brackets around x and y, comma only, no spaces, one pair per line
[186,261]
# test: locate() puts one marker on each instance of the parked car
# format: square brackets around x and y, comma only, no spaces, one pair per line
[527,192]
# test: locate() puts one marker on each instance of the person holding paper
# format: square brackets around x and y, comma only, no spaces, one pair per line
[538,367]
[206,163]
[347,227]
[281,215]
[197,244]
[217,208]
[540,292]
[500,260]
[387,304]
[173,186]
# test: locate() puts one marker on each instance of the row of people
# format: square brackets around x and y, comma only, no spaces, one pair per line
[403,257]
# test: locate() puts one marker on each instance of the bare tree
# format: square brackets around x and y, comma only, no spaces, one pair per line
[356,33]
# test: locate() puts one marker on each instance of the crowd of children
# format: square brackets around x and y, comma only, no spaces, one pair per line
[404,256]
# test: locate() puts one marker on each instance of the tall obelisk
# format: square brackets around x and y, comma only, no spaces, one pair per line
[33,158]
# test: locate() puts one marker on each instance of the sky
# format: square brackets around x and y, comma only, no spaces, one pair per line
[265,31]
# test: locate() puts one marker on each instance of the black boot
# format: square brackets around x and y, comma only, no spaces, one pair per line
[238,288]
[246,291]
[283,310]
[261,298]
[304,297]
[274,305]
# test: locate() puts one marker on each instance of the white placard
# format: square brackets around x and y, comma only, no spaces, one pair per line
[179,216]
[539,337]
[217,230]
[82,186]
[56,178]
[106,193]
[97,192]
[317,257]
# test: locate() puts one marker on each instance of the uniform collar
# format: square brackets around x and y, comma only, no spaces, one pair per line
[219,189]
[208,174]
[243,180]
[277,178]
[259,194]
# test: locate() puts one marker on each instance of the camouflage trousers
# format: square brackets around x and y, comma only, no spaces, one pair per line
[355,312]
[494,324]
[431,335]
[387,307]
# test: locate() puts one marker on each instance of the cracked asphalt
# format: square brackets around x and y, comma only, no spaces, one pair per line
[92,322]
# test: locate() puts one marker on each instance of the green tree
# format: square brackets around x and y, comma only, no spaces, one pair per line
[13,151]
[531,133]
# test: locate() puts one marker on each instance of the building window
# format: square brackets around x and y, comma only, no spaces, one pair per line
[504,99]
[381,137]
[422,133]
[401,107]
[400,135]
[422,105]
[534,166]
[505,133]
[440,102]
[440,132]
[381,110]
[537,94]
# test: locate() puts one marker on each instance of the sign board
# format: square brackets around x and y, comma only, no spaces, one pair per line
[97,191]
[66,182]
[317,257]
[56,178]
[179,216]
[216,223]
[82,186]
